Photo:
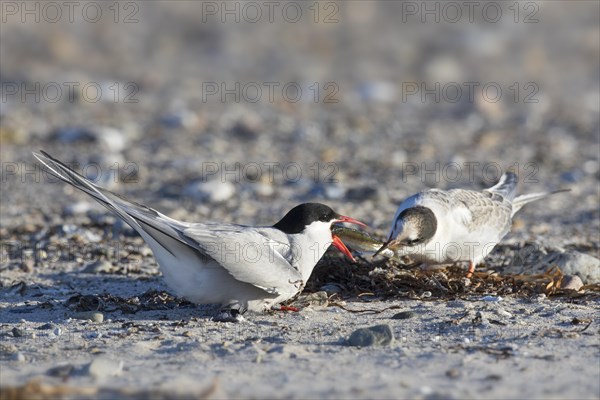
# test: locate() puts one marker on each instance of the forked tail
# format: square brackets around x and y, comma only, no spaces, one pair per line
[520,201]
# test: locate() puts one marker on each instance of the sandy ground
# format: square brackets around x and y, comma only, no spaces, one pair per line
[509,334]
[492,348]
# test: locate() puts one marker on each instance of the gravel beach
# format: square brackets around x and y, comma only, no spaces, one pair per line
[238,111]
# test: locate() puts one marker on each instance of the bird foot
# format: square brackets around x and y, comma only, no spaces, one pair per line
[471,270]
[288,308]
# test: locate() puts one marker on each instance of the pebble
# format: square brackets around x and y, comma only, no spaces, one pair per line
[18,357]
[573,263]
[182,118]
[102,367]
[503,313]
[18,332]
[456,304]
[111,139]
[263,189]
[404,315]
[61,371]
[491,298]
[375,335]
[331,288]
[361,193]
[93,316]
[97,267]
[378,91]
[328,191]
[571,282]
[453,373]
[27,265]
[214,191]
[80,207]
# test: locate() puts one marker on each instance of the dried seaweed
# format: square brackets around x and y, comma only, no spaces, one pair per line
[387,279]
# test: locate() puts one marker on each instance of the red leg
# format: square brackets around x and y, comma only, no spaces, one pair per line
[471,270]
[288,308]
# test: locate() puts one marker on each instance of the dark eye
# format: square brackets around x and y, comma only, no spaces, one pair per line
[414,241]
[324,218]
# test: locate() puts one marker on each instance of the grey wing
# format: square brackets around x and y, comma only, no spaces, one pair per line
[446,206]
[250,255]
[486,210]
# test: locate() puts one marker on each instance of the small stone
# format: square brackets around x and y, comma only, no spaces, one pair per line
[331,288]
[60,371]
[376,335]
[377,91]
[80,207]
[18,332]
[453,373]
[502,313]
[491,298]
[214,191]
[540,297]
[93,316]
[101,368]
[27,265]
[404,315]
[571,282]
[329,191]
[361,193]
[182,118]
[574,263]
[46,327]
[18,357]
[97,267]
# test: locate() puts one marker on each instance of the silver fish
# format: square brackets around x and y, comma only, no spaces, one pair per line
[360,241]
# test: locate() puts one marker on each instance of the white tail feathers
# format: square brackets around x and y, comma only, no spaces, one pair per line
[520,201]
[507,186]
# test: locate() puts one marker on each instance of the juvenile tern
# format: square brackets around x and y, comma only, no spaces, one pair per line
[239,267]
[458,225]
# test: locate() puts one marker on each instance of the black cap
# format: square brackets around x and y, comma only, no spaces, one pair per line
[299,217]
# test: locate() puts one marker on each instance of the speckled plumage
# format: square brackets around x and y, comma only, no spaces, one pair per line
[469,223]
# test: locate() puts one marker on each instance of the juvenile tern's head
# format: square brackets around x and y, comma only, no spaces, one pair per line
[414,226]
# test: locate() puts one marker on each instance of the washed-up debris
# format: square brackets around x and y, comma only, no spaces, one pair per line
[388,279]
